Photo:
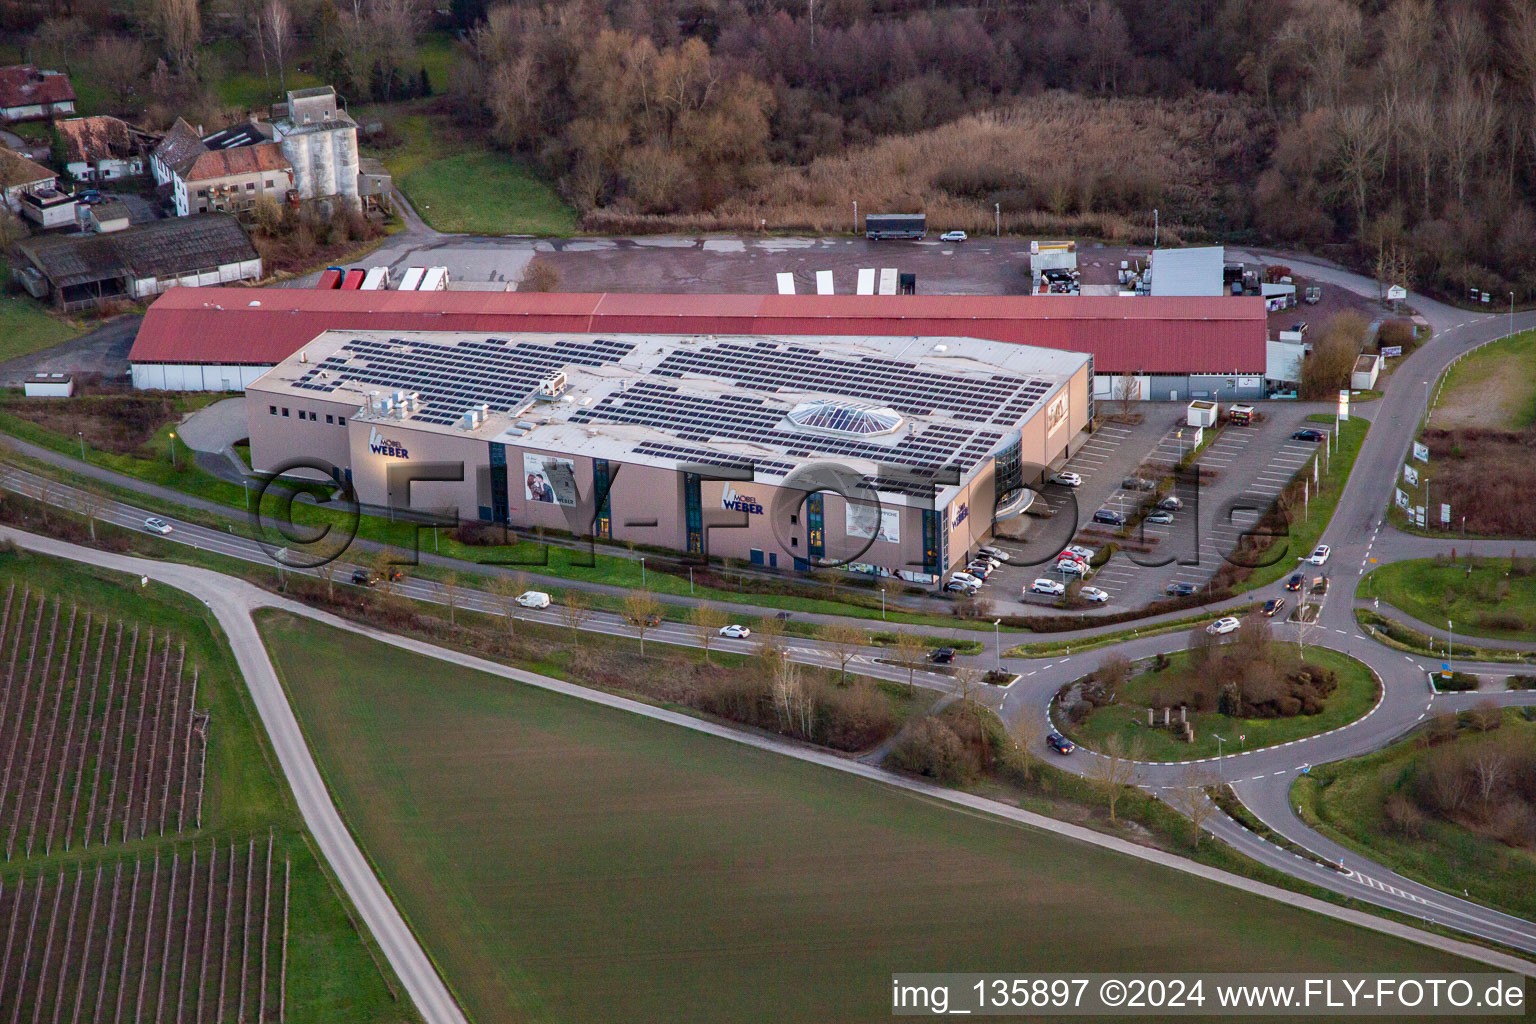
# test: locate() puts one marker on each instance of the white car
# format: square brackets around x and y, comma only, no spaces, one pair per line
[1078,569]
[1320,554]
[1223,626]
[735,631]
[1067,479]
[1159,519]
[966,578]
[157,524]
[533,599]
[1093,594]
[1086,554]
[982,556]
[953,236]
[996,554]
[1050,587]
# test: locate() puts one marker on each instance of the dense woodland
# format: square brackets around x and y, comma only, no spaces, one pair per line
[1401,133]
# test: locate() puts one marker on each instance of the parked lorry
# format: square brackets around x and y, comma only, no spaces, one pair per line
[878,226]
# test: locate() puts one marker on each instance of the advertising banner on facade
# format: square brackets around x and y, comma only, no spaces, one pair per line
[549,480]
[867,521]
[1056,413]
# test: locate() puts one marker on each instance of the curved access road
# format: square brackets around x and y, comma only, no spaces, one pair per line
[232,602]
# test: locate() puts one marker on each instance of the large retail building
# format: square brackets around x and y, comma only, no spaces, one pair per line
[895,453]
[1143,347]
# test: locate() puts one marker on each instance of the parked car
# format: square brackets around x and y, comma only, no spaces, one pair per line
[1059,743]
[1159,519]
[157,525]
[1179,588]
[1307,434]
[1086,554]
[961,587]
[1138,483]
[1071,556]
[1273,606]
[1109,517]
[942,656]
[1067,479]
[967,578]
[735,631]
[1172,503]
[1049,587]
[1295,582]
[983,557]
[981,570]
[953,236]
[1093,594]
[996,554]
[1068,567]
[1320,554]
[1223,626]
[533,599]
[89,196]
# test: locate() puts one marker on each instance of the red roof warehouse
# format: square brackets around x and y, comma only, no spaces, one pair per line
[197,337]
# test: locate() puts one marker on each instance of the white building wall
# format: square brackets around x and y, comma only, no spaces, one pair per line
[194,376]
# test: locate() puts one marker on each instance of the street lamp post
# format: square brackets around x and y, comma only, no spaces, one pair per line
[81,434]
[997,632]
[1219,742]
[997,211]
[690,581]
[642,571]
[855,216]
[171,441]
[1154,228]
[1511,314]
[1450,639]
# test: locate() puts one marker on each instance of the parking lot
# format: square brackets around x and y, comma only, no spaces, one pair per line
[1248,467]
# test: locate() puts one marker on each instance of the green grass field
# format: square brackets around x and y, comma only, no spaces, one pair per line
[456,187]
[1356,694]
[331,974]
[26,326]
[564,861]
[1489,602]
[1492,386]
[1345,800]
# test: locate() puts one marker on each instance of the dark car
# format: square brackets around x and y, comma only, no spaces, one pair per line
[1273,606]
[1138,483]
[942,656]
[1180,589]
[1308,434]
[650,620]
[89,196]
[1059,743]
[1295,582]
[1109,517]
[363,578]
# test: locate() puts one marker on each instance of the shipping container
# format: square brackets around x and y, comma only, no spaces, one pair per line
[376,280]
[434,280]
[353,281]
[330,278]
[411,279]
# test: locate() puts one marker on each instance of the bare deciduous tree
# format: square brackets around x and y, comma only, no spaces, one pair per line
[1189,795]
[843,642]
[448,589]
[769,633]
[92,502]
[911,653]
[179,25]
[277,30]
[574,613]
[642,612]
[1027,730]
[506,589]
[706,621]
[1114,768]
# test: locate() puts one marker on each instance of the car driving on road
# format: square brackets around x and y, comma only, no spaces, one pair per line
[1223,626]
[1320,554]
[533,599]
[1048,587]
[942,656]
[157,525]
[735,631]
[1059,743]
[1273,606]
[1295,582]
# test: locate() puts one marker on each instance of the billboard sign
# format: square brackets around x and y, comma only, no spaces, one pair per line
[549,480]
[1397,293]
[1344,405]
[869,522]
[1401,499]
[1391,351]
[1445,514]
[1421,452]
[1410,475]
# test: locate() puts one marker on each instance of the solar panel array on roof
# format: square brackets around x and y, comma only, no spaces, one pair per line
[904,386]
[452,377]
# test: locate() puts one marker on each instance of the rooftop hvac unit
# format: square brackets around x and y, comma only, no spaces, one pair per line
[553,386]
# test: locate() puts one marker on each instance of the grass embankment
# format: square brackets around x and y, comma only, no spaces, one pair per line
[1045,648]
[1495,600]
[333,971]
[1491,386]
[1355,695]
[1347,801]
[26,326]
[1405,638]
[459,187]
[551,853]
[1306,529]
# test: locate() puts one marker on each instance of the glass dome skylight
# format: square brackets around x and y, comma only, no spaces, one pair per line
[845,417]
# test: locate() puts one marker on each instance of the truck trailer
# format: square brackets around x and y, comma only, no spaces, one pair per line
[878,226]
